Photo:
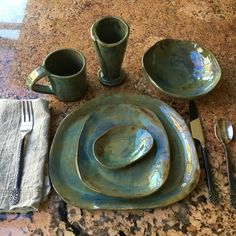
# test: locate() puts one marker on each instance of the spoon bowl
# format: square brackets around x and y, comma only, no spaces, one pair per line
[224,130]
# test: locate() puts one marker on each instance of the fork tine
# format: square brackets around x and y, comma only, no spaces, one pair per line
[27,115]
[31,110]
[25,111]
[22,112]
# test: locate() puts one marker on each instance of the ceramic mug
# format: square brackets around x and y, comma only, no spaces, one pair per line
[66,73]
[110,35]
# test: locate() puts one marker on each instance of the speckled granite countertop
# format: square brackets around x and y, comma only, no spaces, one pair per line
[30,29]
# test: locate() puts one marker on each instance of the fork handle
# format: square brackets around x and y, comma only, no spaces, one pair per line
[15,194]
[231,179]
[20,163]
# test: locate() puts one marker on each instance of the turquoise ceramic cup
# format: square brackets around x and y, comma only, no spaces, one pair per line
[65,70]
[110,35]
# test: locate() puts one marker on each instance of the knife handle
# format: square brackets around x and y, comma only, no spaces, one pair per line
[211,186]
[231,179]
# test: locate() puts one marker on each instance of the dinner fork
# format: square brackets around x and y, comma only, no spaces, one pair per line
[27,121]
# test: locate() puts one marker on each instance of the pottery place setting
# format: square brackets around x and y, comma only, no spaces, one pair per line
[132,151]
[122,150]
[127,150]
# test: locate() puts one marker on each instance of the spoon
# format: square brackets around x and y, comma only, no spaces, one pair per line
[224,133]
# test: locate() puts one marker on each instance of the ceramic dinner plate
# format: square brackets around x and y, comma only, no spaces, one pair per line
[137,180]
[184,166]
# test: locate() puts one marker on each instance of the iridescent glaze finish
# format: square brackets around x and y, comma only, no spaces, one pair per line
[180,68]
[184,167]
[65,70]
[110,35]
[137,180]
[122,145]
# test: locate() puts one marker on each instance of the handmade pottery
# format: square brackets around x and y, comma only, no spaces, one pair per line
[137,180]
[110,35]
[180,68]
[184,167]
[66,73]
[122,145]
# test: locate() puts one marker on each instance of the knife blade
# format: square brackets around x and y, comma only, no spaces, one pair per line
[197,134]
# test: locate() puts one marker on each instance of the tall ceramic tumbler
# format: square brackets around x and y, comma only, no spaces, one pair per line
[110,36]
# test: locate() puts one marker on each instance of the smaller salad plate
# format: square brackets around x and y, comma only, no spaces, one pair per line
[139,179]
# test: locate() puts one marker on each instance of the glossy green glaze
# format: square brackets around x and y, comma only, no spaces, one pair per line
[110,35]
[184,167]
[182,69]
[139,179]
[65,70]
[122,145]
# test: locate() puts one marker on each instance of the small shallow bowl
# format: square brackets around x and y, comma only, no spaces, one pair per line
[122,145]
[180,68]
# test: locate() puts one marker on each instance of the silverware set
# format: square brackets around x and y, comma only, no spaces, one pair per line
[224,132]
[27,122]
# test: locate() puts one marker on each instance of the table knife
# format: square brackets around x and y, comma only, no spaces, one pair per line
[197,134]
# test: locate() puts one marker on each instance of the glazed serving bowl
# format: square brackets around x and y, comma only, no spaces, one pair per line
[180,68]
[143,177]
[122,145]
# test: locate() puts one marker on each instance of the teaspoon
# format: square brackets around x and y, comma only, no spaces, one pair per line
[224,133]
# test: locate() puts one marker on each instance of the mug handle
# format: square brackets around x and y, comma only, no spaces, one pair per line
[35,76]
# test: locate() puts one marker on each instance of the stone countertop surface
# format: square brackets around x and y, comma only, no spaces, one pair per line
[29,30]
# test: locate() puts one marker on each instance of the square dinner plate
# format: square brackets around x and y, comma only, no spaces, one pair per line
[184,165]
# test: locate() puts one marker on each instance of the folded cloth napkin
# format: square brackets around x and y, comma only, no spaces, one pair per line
[35,184]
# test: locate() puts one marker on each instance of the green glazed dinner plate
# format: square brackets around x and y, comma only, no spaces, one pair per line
[181,68]
[141,178]
[184,166]
[122,145]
